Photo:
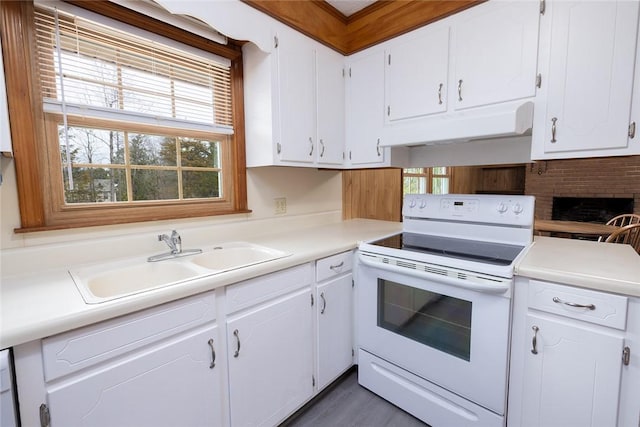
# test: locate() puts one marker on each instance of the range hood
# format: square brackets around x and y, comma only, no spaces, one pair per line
[507,119]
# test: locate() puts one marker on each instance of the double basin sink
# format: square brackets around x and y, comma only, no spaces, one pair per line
[108,281]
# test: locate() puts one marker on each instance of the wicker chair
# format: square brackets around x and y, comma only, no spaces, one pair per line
[629,234]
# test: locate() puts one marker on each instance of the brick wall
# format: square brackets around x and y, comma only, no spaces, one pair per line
[595,177]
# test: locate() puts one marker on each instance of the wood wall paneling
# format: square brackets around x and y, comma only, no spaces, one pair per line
[372,194]
[380,21]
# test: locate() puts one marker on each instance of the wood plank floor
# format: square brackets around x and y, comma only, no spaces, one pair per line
[347,404]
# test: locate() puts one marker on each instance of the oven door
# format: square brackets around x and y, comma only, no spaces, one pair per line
[455,337]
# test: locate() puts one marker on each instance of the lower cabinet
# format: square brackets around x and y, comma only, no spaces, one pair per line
[334,317]
[251,353]
[271,360]
[572,357]
[171,384]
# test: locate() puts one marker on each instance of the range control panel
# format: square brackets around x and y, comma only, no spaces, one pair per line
[484,208]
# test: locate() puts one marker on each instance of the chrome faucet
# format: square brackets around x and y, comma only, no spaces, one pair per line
[174,241]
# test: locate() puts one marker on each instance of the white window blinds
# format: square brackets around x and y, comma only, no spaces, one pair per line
[94,70]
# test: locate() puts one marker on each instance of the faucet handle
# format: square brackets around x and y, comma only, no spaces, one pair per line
[177,241]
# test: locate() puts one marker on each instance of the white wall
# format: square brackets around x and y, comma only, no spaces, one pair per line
[308,192]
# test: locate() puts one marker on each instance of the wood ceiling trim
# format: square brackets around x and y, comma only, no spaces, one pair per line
[374,24]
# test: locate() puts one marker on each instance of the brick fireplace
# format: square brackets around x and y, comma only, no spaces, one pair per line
[607,177]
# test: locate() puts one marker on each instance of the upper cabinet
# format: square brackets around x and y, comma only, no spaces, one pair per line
[365,106]
[416,70]
[330,102]
[294,103]
[587,59]
[464,77]
[5,134]
[493,53]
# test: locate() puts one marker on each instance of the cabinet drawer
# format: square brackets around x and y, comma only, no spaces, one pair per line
[256,291]
[80,348]
[592,306]
[334,265]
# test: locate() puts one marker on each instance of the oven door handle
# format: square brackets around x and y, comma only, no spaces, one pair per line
[497,288]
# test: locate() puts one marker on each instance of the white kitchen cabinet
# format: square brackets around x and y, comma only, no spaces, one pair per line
[416,71]
[167,385]
[158,367]
[5,132]
[270,341]
[294,103]
[568,362]
[334,317]
[296,92]
[365,108]
[493,53]
[587,59]
[330,107]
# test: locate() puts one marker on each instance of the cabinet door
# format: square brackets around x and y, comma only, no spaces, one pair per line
[590,62]
[331,107]
[416,75]
[494,53]
[574,379]
[270,365]
[334,320]
[296,80]
[168,385]
[365,106]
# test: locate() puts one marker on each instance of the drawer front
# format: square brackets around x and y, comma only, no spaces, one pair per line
[261,289]
[84,347]
[332,266]
[590,306]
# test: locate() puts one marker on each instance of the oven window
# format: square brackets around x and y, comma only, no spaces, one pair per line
[438,321]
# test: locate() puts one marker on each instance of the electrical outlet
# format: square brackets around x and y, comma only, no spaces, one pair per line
[281,205]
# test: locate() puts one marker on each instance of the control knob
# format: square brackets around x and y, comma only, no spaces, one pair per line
[517,209]
[423,204]
[412,203]
[502,208]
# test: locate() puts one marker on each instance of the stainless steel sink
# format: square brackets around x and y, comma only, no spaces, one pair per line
[104,282]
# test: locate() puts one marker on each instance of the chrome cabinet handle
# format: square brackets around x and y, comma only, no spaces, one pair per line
[440,94]
[534,341]
[460,90]
[632,130]
[237,335]
[321,148]
[311,143]
[553,129]
[573,304]
[378,147]
[213,354]
[337,266]
[324,303]
[279,148]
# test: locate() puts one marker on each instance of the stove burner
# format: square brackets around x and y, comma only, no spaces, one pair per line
[463,249]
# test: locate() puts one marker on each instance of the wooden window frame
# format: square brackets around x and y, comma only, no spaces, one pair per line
[39,200]
[429,175]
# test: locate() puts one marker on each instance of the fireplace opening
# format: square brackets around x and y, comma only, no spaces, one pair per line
[590,209]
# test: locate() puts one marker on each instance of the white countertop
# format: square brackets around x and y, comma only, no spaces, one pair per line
[36,305]
[607,267]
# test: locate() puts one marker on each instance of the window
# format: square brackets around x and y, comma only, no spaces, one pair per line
[436,180]
[129,125]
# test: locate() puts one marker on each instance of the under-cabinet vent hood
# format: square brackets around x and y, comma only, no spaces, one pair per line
[496,121]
